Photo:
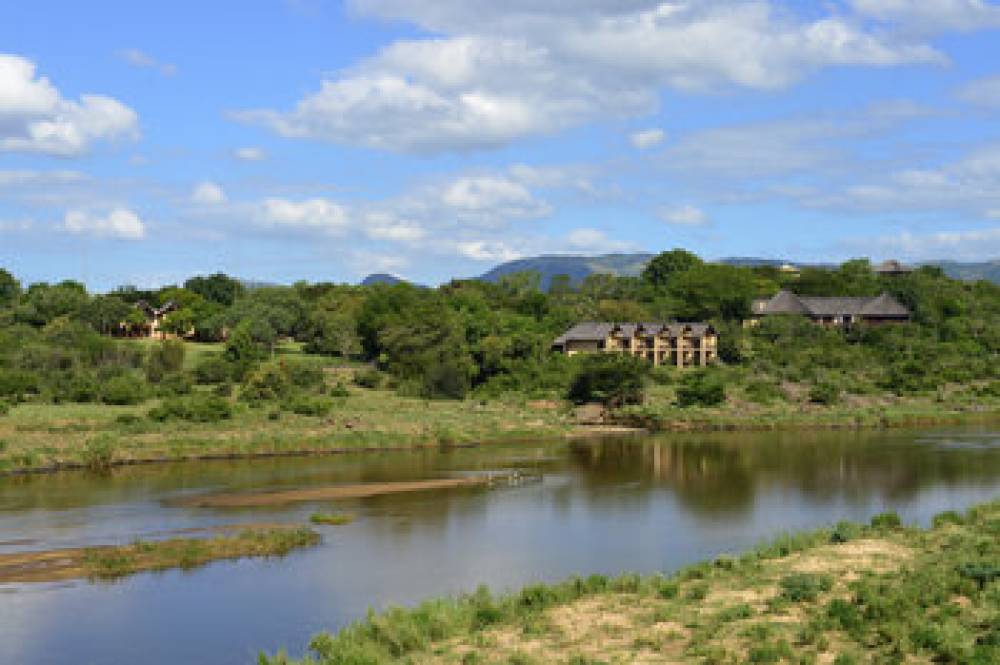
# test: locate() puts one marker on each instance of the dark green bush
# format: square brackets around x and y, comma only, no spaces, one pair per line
[701,388]
[268,382]
[887,520]
[304,374]
[824,393]
[611,379]
[172,385]
[764,392]
[164,359]
[123,390]
[213,369]
[804,587]
[199,409]
[308,405]
[369,378]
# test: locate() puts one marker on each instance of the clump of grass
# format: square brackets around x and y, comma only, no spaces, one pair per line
[335,519]
[187,553]
[99,452]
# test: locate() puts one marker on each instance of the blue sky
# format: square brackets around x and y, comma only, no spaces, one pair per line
[306,139]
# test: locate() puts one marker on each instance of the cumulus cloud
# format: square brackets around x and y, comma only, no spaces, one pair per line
[117,223]
[34,117]
[486,251]
[142,60]
[504,71]
[208,193]
[595,240]
[316,214]
[250,154]
[685,215]
[646,139]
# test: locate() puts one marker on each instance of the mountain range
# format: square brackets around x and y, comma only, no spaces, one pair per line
[578,267]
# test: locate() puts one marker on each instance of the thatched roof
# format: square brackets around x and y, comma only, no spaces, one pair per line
[592,331]
[786,302]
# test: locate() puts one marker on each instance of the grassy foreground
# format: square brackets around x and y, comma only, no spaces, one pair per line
[851,594]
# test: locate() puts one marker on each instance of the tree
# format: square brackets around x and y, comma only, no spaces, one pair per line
[218,288]
[710,291]
[333,333]
[10,288]
[662,267]
[611,379]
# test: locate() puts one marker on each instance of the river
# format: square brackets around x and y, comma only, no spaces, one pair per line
[641,504]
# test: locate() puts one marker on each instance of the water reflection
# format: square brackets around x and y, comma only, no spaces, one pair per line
[642,504]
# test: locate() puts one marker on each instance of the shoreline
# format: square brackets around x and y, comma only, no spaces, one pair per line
[619,424]
[845,594]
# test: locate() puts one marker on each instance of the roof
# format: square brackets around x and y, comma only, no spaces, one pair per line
[892,266]
[786,302]
[593,331]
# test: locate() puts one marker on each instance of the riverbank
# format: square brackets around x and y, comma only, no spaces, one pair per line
[847,594]
[114,561]
[51,437]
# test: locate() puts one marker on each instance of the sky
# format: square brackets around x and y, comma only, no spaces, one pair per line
[279,140]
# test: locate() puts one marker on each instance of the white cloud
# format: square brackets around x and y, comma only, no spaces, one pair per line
[984,92]
[208,193]
[505,71]
[117,223]
[489,198]
[648,138]
[685,215]
[27,178]
[595,240]
[312,214]
[932,16]
[34,117]
[15,225]
[482,250]
[137,58]
[981,244]
[250,154]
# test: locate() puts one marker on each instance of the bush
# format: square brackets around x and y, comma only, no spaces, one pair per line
[198,409]
[99,453]
[610,379]
[824,393]
[173,385]
[267,382]
[307,375]
[888,520]
[17,383]
[309,405]
[122,390]
[701,388]
[165,358]
[213,369]
[369,378]
[804,587]
[764,392]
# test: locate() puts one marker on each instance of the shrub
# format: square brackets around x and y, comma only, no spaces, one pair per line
[165,358]
[173,385]
[308,405]
[267,382]
[369,378]
[123,390]
[845,531]
[213,369]
[17,383]
[307,375]
[701,388]
[199,409]
[99,453]
[804,587]
[947,517]
[887,520]
[610,379]
[824,393]
[764,392]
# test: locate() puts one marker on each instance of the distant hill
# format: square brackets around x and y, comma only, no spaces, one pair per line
[578,267]
[381,278]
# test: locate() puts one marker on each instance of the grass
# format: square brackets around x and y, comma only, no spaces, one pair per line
[187,553]
[874,593]
[332,519]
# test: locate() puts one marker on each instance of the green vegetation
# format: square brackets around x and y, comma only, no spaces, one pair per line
[277,369]
[876,593]
[186,553]
[333,519]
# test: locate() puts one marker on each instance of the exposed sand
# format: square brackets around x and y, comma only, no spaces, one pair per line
[256,499]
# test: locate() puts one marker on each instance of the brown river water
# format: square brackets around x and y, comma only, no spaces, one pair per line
[645,504]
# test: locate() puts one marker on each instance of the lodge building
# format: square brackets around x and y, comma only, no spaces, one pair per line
[677,344]
[838,311]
